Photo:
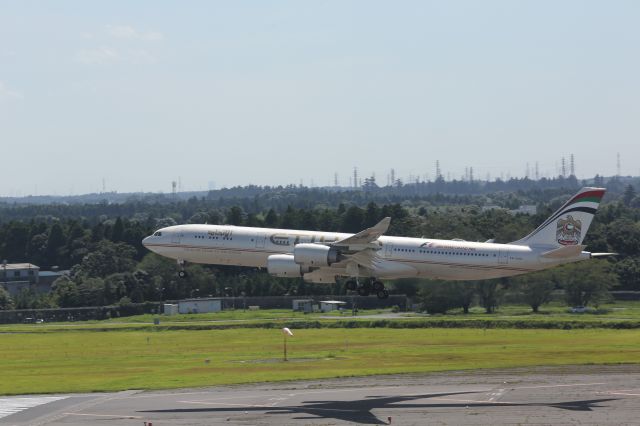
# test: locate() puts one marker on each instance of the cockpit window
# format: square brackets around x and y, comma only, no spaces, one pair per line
[158,234]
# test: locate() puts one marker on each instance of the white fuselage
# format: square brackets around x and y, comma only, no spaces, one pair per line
[396,257]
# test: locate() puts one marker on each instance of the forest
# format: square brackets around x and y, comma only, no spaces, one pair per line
[100,243]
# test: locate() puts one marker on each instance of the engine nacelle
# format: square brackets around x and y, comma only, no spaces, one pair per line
[283,265]
[315,255]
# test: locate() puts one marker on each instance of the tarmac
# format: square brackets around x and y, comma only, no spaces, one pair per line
[567,395]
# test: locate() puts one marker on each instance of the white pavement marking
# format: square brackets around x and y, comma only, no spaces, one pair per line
[301,392]
[9,406]
[623,392]
[227,403]
[116,416]
[558,386]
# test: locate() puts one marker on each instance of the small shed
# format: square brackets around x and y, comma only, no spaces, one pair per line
[199,306]
[303,305]
[331,305]
[170,309]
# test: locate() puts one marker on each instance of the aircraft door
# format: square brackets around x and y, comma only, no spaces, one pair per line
[388,249]
[503,257]
[176,237]
[260,240]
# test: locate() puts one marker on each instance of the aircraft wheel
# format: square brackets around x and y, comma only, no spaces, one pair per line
[378,286]
[351,285]
[363,291]
[182,274]
[382,294]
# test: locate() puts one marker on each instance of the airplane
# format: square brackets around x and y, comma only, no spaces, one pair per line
[369,256]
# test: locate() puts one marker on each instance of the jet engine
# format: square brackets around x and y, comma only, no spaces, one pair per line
[283,265]
[315,255]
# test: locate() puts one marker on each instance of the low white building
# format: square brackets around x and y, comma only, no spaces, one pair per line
[170,309]
[199,306]
[15,277]
[331,305]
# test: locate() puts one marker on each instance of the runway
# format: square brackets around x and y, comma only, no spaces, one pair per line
[584,395]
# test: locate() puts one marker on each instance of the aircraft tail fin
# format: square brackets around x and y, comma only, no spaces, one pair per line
[569,224]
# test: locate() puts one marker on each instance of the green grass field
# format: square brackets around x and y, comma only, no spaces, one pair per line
[623,314]
[82,361]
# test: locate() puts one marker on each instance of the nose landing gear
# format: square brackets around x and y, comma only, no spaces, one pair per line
[182,273]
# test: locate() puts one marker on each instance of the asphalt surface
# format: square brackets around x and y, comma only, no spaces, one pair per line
[582,395]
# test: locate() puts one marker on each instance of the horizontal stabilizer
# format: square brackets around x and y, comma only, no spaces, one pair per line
[564,252]
[604,254]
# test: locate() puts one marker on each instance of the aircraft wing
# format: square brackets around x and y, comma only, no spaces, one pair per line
[366,237]
[362,248]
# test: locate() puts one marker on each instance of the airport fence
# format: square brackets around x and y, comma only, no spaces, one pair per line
[116,311]
[78,314]
[286,302]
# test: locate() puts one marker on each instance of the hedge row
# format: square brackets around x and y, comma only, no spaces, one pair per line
[387,323]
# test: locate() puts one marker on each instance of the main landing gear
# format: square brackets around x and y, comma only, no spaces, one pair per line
[182,273]
[371,286]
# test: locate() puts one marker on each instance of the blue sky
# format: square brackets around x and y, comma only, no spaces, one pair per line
[142,93]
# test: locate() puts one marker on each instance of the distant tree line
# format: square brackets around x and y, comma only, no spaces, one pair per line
[101,246]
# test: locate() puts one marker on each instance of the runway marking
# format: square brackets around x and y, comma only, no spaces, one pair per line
[558,386]
[473,401]
[9,406]
[158,395]
[119,416]
[497,394]
[290,394]
[83,405]
[623,392]
[273,405]
[226,403]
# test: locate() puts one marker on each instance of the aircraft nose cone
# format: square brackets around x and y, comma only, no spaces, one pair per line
[145,241]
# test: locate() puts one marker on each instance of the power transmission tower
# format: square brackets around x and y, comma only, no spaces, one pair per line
[572,165]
